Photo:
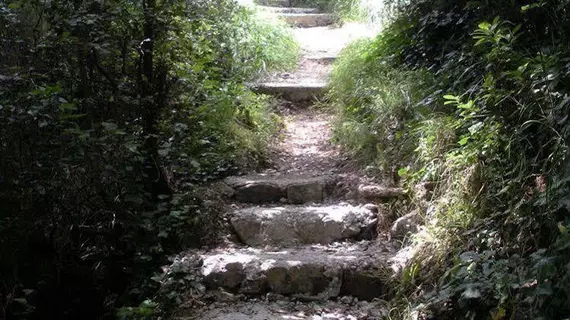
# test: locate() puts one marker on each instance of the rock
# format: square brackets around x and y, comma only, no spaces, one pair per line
[365,285]
[293,225]
[311,271]
[234,276]
[259,192]
[266,310]
[311,191]
[423,191]
[295,92]
[308,20]
[371,207]
[409,223]
[275,188]
[224,296]
[223,189]
[347,300]
[377,193]
[270,296]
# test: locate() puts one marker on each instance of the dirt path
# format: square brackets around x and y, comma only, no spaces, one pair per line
[306,146]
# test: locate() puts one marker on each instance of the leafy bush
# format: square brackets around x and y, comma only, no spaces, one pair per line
[110,114]
[490,128]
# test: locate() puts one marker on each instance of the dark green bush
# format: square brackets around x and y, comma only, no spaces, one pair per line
[478,99]
[110,113]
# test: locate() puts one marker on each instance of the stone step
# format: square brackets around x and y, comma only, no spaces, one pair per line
[274,3]
[311,272]
[298,225]
[294,92]
[276,307]
[308,20]
[288,9]
[325,58]
[290,189]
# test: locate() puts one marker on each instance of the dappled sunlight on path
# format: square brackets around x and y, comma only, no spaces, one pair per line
[306,144]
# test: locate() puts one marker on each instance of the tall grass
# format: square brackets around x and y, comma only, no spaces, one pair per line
[372,107]
[279,49]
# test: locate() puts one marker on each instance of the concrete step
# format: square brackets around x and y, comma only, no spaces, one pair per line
[324,58]
[291,225]
[281,308]
[288,9]
[288,189]
[312,272]
[294,92]
[274,3]
[308,20]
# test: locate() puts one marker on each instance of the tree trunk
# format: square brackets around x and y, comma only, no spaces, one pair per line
[152,105]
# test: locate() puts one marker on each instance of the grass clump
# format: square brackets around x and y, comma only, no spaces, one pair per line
[372,107]
[278,49]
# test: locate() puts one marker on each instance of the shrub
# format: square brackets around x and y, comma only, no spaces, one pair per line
[110,114]
[490,128]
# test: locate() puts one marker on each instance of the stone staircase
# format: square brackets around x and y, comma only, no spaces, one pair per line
[299,250]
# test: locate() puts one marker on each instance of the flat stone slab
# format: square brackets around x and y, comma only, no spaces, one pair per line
[294,92]
[327,58]
[295,225]
[308,20]
[268,189]
[377,193]
[293,310]
[288,9]
[316,271]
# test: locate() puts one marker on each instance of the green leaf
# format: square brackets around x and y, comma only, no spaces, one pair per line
[484,25]
[14,5]
[562,228]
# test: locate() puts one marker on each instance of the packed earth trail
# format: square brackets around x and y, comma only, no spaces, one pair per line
[304,245]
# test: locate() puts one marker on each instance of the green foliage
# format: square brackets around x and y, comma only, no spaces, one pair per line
[110,114]
[347,9]
[372,107]
[276,45]
[490,128]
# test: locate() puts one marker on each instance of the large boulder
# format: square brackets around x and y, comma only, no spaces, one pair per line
[293,225]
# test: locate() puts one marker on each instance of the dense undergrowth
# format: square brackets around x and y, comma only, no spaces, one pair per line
[473,97]
[111,112]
